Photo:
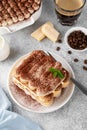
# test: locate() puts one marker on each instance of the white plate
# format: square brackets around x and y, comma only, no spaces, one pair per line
[27,103]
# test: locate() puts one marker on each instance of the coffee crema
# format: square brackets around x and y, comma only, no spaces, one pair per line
[70,4]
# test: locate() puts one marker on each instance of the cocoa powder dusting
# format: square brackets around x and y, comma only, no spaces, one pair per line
[22,98]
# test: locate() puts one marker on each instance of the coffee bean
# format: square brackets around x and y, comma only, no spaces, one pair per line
[85,61]
[76,60]
[69,52]
[60,40]
[85,68]
[58,48]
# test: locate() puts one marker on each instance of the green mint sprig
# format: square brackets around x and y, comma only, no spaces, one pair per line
[56,73]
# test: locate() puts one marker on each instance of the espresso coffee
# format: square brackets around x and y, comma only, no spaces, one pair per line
[67,20]
[68,11]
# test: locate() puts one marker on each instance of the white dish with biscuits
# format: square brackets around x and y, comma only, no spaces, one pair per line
[18,14]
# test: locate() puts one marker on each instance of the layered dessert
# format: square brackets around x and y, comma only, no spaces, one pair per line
[34,76]
[14,11]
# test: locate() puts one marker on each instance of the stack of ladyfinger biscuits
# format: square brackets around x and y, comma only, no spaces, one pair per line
[46,30]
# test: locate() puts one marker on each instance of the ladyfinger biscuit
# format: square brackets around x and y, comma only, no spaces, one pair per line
[38,35]
[50,32]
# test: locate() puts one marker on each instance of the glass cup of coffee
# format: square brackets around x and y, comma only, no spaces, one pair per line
[68,11]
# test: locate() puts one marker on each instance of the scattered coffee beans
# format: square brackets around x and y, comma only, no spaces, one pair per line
[58,48]
[85,68]
[76,60]
[77,40]
[60,40]
[69,52]
[85,61]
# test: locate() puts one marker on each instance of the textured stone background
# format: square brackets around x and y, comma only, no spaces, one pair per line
[72,116]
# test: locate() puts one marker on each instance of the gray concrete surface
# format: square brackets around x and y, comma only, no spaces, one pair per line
[72,116]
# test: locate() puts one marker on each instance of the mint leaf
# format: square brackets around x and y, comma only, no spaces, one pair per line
[52,70]
[56,72]
[60,74]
